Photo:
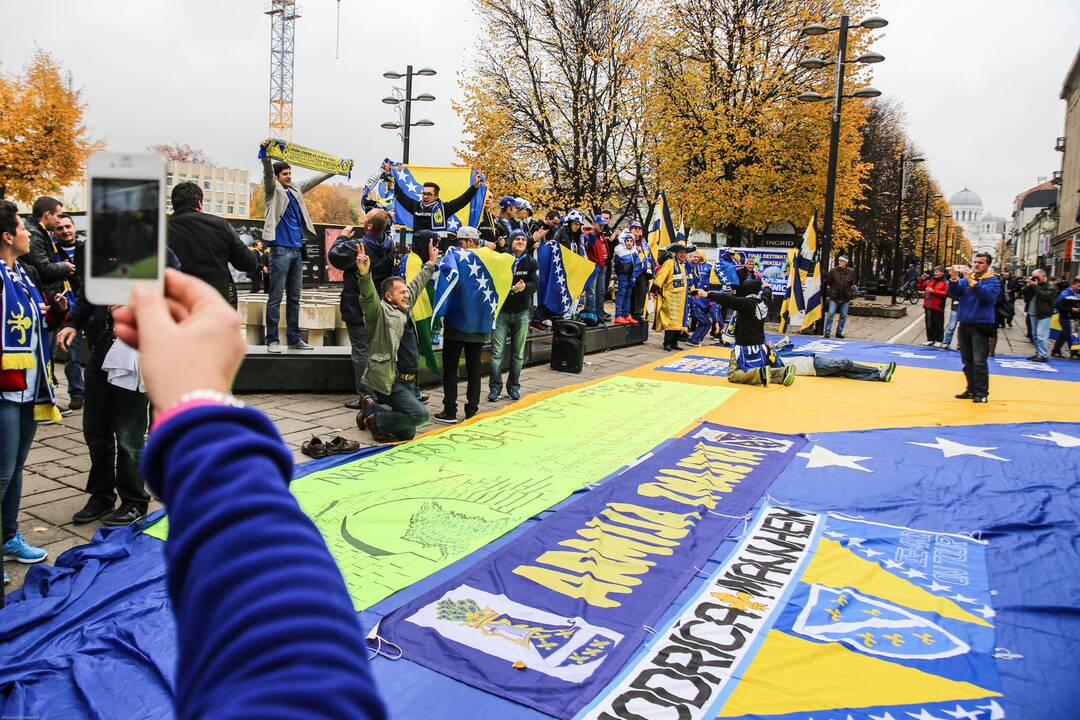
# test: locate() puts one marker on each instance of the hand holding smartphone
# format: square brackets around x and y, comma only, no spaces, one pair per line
[125,239]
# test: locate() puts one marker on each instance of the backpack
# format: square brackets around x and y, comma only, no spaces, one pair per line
[590,319]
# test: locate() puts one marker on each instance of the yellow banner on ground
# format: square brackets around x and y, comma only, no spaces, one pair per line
[308,158]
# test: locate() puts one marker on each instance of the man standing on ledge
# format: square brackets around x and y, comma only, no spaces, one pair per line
[287,224]
[977,290]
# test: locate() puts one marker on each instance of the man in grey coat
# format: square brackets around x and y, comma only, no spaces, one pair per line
[287,224]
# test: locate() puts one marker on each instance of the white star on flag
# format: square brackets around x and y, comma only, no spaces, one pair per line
[834,535]
[487,296]
[952,449]
[935,586]
[962,598]
[401,174]
[871,553]
[473,267]
[924,714]
[986,611]
[482,282]
[820,457]
[996,713]
[1059,439]
[893,565]
[412,187]
[961,714]
[913,573]
[453,223]
[855,541]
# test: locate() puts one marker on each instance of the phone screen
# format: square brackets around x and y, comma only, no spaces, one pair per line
[124,228]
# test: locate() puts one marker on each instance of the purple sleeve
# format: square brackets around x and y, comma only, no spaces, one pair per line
[265,625]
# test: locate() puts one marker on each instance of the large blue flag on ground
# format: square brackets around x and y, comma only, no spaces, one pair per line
[569,598]
[470,288]
[562,277]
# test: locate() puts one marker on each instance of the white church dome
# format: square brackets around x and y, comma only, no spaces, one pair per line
[965,198]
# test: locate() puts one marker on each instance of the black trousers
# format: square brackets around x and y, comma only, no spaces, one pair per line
[974,348]
[935,325]
[451,356]
[114,426]
[358,339]
[641,292]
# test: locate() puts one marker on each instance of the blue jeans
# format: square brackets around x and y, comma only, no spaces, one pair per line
[286,268]
[600,290]
[589,300]
[826,366]
[833,306]
[72,368]
[405,414]
[624,296]
[516,325]
[17,428]
[950,328]
[1042,335]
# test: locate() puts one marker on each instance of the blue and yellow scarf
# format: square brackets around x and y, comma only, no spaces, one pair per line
[21,307]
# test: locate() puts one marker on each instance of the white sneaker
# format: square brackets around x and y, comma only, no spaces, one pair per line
[929,343]
[273,346]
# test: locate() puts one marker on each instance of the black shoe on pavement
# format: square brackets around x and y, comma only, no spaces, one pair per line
[446,418]
[77,402]
[493,396]
[839,336]
[126,514]
[94,508]
[966,395]
[513,395]
[979,398]
[355,403]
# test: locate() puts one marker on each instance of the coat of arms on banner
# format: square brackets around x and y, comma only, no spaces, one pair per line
[566,648]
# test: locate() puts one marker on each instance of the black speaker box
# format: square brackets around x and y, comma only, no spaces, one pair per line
[567,346]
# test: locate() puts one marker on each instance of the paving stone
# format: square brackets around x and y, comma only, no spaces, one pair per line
[43,498]
[80,463]
[85,531]
[33,484]
[44,454]
[58,512]
[44,535]
[62,545]
[65,442]
[76,480]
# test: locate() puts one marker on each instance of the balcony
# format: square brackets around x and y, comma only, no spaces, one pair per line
[1059,145]
[1055,178]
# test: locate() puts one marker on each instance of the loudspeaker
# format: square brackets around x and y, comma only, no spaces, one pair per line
[567,346]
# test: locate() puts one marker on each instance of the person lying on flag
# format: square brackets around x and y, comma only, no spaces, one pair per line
[431,213]
[752,362]
[810,363]
[673,287]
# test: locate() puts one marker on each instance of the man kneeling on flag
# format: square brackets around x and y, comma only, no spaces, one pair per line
[394,353]
[752,362]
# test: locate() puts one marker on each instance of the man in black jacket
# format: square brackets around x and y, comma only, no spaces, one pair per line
[206,244]
[752,362]
[53,272]
[513,320]
[1040,296]
[431,213]
[342,255]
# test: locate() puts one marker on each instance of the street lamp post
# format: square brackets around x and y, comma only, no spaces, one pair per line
[904,161]
[407,124]
[926,219]
[870,23]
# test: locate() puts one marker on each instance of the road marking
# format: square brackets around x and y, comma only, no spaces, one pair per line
[905,331]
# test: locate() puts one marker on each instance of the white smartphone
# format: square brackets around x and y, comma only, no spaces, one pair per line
[125,237]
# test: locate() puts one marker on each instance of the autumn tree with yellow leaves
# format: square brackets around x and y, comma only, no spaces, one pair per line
[43,141]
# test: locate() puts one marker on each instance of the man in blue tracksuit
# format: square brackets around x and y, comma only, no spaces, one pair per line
[977,290]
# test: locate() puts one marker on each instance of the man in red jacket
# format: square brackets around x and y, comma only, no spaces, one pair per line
[934,294]
[596,249]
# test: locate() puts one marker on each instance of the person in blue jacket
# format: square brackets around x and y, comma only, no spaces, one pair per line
[976,288]
[264,624]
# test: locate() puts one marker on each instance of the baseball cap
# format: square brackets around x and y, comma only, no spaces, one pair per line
[635,224]
[506,201]
[598,219]
[468,232]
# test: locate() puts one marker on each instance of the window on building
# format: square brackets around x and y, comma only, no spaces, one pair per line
[168,206]
[220,185]
[232,186]
[183,177]
[217,208]
[206,184]
[230,209]
[168,179]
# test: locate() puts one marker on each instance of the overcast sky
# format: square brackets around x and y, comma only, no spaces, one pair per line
[979,79]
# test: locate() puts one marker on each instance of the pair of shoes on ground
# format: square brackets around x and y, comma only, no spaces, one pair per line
[98,508]
[626,320]
[493,396]
[973,397]
[447,418]
[317,448]
[275,347]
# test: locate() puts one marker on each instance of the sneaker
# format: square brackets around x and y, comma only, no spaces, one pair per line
[621,321]
[77,403]
[273,346]
[781,344]
[789,376]
[126,514]
[979,398]
[355,404]
[493,396]
[966,395]
[301,346]
[513,395]
[95,507]
[632,321]
[930,343]
[887,371]
[423,397]
[19,550]
[839,336]
[445,417]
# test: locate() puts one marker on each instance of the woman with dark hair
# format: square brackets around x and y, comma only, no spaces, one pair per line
[935,291]
[26,390]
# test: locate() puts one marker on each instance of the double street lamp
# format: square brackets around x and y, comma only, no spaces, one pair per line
[398,98]
[905,162]
[870,23]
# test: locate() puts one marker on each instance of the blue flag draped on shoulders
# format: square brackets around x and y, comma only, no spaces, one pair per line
[470,288]
[563,276]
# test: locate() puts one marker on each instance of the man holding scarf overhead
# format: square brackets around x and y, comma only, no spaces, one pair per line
[26,389]
[673,285]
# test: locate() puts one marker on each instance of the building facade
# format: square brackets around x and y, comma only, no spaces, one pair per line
[226,191]
[1033,227]
[1065,246]
[985,230]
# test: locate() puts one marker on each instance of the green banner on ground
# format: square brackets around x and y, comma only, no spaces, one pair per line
[399,516]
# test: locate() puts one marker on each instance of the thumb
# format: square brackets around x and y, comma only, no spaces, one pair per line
[151,313]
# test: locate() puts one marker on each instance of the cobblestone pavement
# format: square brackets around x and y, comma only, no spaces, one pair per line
[56,469]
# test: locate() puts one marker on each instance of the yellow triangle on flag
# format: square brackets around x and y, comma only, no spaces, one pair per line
[789,674]
[422,307]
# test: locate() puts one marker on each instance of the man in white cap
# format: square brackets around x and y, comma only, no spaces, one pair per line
[841,288]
